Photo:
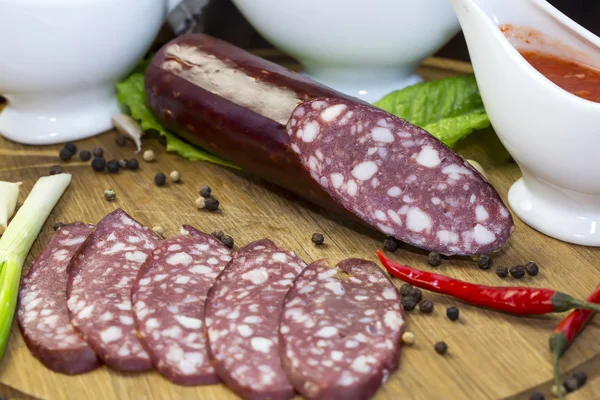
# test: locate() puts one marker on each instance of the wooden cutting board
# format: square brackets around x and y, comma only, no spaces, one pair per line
[491,355]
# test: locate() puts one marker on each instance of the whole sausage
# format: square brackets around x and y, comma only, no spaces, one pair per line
[237,105]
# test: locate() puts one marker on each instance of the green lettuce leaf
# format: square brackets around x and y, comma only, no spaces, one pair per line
[131,93]
[449,109]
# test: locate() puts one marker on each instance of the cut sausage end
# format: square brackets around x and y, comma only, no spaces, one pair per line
[398,178]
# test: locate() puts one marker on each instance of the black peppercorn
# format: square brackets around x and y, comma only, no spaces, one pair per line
[110,195]
[113,166]
[484,261]
[218,234]
[452,313]
[98,152]
[405,289]
[121,140]
[416,294]
[65,154]
[501,271]
[56,169]
[390,244]
[532,268]
[426,307]
[205,191]
[581,378]
[123,163]
[571,384]
[98,164]
[85,155]
[133,164]
[409,303]
[536,396]
[227,241]
[71,147]
[518,271]
[58,225]
[211,204]
[441,348]
[160,179]
[434,259]
[317,238]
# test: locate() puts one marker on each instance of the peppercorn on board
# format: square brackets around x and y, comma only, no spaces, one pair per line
[490,355]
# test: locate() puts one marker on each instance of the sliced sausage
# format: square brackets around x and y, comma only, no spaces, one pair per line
[99,290]
[237,105]
[168,303]
[340,330]
[241,316]
[42,311]
[398,178]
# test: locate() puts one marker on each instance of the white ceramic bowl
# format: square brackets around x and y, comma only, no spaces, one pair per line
[60,60]
[553,135]
[363,48]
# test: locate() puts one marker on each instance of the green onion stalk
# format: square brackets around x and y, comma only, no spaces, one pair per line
[17,240]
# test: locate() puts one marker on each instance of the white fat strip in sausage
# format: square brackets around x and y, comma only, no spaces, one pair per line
[394,191]
[481,213]
[386,229]
[197,66]
[74,241]
[365,170]
[337,180]
[310,131]
[428,157]
[331,113]
[417,220]
[394,217]
[383,135]
[352,188]
[455,171]
[346,350]
[171,318]
[243,329]
[446,236]
[257,276]
[482,235]
[380,215]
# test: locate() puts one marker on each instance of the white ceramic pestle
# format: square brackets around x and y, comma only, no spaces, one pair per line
[553,135]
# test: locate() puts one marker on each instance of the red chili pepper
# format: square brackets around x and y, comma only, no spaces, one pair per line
[567,331]
[513,300]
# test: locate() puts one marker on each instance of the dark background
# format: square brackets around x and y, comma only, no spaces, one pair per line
[224,21]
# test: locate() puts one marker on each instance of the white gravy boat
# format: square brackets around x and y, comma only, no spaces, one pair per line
[60,60]
[553,135]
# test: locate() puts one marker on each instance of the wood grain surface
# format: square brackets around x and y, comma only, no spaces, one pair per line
[491,355]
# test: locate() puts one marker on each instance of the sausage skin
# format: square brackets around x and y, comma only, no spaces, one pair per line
[237,105]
